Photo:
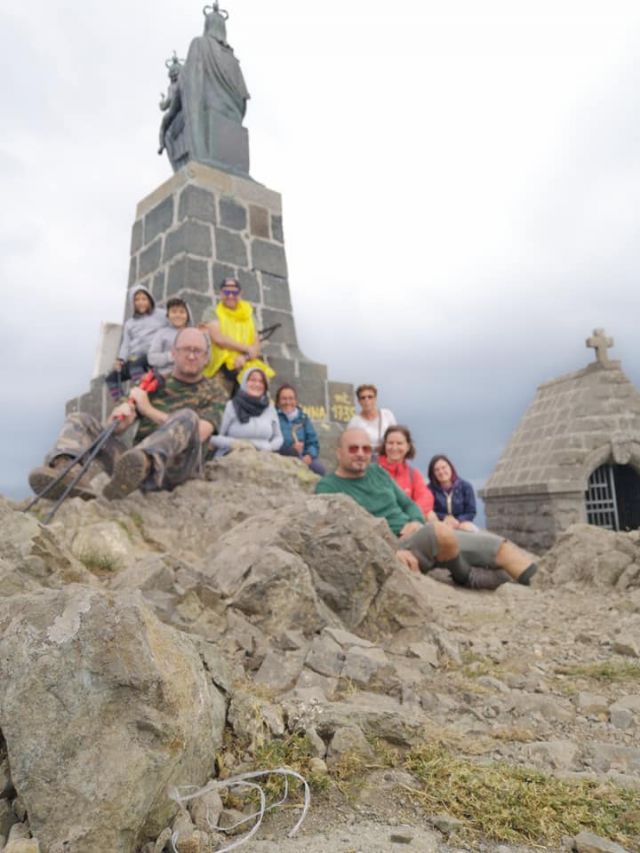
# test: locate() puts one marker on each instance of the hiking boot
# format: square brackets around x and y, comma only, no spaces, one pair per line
[130,472]
[43,476]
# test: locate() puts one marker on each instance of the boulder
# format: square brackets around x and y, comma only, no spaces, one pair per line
[188,520]
[253,719]
[22,845]
[376,715]
[103,547]
[592,555]
[592,703]
[588,842]
[403,601]
[267,583]
[279,671]
[349,740]
[31,556]
[610,756]
[627,644]
[541,706]
[102,707]
[555,755]
[322,554]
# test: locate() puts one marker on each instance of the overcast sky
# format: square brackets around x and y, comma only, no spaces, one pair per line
[460,180]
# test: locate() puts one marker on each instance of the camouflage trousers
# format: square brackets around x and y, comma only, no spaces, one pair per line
[175,449]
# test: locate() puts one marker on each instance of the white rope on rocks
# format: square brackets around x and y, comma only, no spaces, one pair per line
[244,781]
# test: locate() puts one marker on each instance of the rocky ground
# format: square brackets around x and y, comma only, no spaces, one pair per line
[242,624]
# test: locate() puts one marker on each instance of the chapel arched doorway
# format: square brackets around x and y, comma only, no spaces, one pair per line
[613,497]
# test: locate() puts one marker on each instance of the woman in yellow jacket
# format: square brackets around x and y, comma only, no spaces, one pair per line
[236,346]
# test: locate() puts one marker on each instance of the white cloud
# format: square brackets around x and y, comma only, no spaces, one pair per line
[460,189]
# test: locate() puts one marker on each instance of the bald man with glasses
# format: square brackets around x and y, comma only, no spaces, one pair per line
[476,560]
[176,421]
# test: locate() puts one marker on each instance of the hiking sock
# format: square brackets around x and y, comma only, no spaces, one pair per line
[529,572]
[487,579]
[459,569]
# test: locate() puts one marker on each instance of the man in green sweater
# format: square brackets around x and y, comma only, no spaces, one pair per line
[477,560]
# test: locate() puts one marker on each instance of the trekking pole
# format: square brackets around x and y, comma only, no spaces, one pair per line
[148,383]
[63,473]
[97,446]
[265,334]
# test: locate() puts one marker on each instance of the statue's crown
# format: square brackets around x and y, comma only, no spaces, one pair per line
[173,63]
[214,9]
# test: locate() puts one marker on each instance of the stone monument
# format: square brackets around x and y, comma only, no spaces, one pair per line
[575,456]
[206,102]
[212,220]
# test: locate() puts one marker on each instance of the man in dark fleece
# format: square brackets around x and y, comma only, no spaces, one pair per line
[476,560]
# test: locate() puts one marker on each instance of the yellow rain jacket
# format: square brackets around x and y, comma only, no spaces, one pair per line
[237,324]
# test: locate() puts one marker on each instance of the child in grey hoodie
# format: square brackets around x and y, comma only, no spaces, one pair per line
[137,334]
[179,317]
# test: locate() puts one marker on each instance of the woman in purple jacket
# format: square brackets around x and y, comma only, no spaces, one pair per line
[454,498]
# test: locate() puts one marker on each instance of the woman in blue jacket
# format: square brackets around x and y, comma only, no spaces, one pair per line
[300,437]
[454,498]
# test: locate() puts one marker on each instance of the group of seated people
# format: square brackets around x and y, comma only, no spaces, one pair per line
[213,394]
[147,343]
[448,497]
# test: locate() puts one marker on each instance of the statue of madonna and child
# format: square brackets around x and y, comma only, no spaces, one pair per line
[206,102]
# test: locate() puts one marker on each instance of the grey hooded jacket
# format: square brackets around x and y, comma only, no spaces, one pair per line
[139,329]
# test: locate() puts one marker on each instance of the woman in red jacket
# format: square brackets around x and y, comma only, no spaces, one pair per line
[397,446]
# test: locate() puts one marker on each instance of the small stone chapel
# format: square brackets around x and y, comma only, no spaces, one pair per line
[575,456]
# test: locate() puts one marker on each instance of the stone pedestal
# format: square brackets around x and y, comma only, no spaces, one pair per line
[198,227]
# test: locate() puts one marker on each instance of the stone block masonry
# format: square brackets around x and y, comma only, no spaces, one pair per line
[202,225]
[574,424]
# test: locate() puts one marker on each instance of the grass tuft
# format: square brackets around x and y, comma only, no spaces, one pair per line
[295,752]
[605,671]
[495,801]
[516,805]
[98,562]
[475,665]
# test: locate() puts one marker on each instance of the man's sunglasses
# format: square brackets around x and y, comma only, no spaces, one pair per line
[359,448]
[230,291]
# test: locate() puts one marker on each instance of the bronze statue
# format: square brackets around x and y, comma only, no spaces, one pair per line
[206,102]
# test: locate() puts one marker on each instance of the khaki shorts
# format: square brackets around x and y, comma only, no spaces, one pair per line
[477,549]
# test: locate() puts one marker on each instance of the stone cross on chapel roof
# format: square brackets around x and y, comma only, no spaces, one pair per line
[600,343]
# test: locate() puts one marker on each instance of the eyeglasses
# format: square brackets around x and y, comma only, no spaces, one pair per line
[230,291]
[191,351]
[367,397]
[359,448]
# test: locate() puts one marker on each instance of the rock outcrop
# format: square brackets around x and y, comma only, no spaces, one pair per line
[102,707]
[595,556]
[132,632]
